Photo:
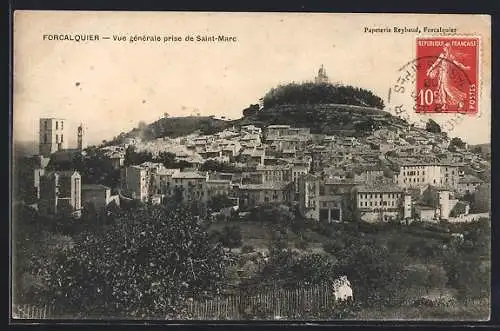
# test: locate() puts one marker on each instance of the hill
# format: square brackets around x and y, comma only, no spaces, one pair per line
[324,108]
[328,119]
[323,93]
[175,127]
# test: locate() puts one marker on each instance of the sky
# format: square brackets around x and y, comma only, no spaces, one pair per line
[111,86]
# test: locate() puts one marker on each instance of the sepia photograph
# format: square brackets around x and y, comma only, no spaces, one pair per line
[210,166]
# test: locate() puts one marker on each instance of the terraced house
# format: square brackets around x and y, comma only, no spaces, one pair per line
[382,203]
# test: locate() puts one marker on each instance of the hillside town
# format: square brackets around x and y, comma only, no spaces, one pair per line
[394,174]
[256,219]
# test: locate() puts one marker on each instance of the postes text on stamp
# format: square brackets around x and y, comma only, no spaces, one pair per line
[447,75]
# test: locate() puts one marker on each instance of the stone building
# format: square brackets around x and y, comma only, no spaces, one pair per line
[52,136]
[382,203]
[419,174]
[60,192]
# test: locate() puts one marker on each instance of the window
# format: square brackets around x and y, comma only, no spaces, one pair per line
[45,125]
[45,137]
[57,125]
[371,204]
[62,138]
[57,138]
[62,125]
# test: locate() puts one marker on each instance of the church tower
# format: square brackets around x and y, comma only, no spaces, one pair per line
[322,78]
[52,136]
[81,143]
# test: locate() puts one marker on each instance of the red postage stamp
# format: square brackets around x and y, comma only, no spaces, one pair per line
[447,75]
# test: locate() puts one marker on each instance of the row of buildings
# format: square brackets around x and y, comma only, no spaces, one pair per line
[62,192]
[318,197]
[381,177]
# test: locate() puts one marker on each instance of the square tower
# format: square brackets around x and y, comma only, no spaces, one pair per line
[53,136]
[80,138]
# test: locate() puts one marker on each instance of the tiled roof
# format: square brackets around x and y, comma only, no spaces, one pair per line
[186,175]
[381,188]
[265,186]
[66,173]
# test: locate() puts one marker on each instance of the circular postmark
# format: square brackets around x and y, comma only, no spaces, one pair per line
[422,89]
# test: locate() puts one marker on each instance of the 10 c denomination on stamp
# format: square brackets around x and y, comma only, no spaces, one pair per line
[447,75]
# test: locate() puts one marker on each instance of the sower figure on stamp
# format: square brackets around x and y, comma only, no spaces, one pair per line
[442,70]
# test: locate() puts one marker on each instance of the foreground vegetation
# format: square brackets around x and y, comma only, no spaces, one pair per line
[148,261]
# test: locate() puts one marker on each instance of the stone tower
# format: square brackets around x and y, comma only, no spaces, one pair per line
[80,138]
[52,136]
[322,77]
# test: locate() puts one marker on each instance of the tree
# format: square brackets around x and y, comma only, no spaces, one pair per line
[230,236]
[219,202]
[251,110]
[457,143]
[314,269]
[274,214]
[311,93]
[212,165]
[34,247]
[23,181]
[469,277]
[375,274]
[145,266]
[432,126]
[423,249]
[134,158]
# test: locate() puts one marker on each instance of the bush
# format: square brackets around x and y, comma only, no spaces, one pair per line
[247,249]
[301,243]
[231,236]
[144,267]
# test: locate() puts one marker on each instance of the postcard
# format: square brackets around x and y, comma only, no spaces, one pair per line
[251,166]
